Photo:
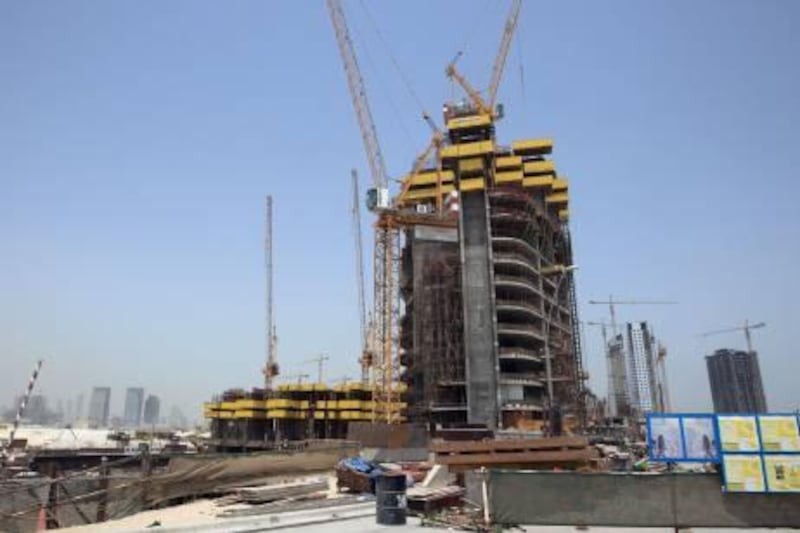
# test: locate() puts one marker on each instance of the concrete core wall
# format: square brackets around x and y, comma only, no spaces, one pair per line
[631,500]
[478,291]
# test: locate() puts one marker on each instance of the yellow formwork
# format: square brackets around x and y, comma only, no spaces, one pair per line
[470,166]
[472,184]
[249,413]
[352,385]
[457,151]
[539,167]
[510,176]
[285,403]
[354,415]
[427,192]
[473,121]
[538,181]
[249,404]
[508,162]
[286,413]
[351,404]
[542,146]
[563,214]
[429,177]
[560,184]
[557,198]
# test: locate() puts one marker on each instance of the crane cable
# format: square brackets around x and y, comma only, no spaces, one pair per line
[406,81]
[521,71]
[472,30]
[395,109]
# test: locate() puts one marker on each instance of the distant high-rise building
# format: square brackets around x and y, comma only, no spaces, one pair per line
[79,407]
[36,410]
[642,367]
[619,402]
[177,420]
[134,400]
[99,405]
[152,406]
[735,379]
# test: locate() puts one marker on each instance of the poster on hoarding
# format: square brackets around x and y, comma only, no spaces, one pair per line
[779,433]
[738,433]
[699,435]
[783,472]
[743,473]
[665,438]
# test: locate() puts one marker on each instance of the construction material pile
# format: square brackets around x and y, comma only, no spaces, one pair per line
[568,453]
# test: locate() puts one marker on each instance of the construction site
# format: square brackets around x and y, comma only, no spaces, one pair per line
[474,319]
[472,408]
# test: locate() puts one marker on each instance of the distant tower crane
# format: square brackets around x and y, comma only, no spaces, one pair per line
[488,106]
[664,403]
[21,410]
[611,302]
[366,359]
[320,361]
[747,327]
[612,407]
[271,345]
[299,376]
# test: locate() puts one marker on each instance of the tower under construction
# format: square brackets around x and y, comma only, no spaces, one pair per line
[489,330]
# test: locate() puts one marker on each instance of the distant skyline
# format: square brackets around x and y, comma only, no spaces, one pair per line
[138,140]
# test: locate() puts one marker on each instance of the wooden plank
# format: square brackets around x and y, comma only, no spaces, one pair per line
[517,458]
[510,444]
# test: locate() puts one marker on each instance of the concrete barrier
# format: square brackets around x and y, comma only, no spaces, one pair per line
[631,500]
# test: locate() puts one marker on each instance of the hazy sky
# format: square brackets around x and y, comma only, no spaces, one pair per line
[138,139]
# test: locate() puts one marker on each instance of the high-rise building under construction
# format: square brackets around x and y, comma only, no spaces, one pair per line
[619,399]
[735,379]
[642,366]
[489,333]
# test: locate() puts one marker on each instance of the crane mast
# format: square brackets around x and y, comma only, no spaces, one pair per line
[387,232]
[271,339]
[366,358]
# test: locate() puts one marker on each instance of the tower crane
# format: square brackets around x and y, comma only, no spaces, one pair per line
[747,327]
[271,365]
[665,406]
[386,269]
[320,361]
[387,230]
[611,302]
[367,357]
[488,106]
[21,410]
[300,376]
[612,407]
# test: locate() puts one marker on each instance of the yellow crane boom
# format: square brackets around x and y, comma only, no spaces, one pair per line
[358,94]
[502,52]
